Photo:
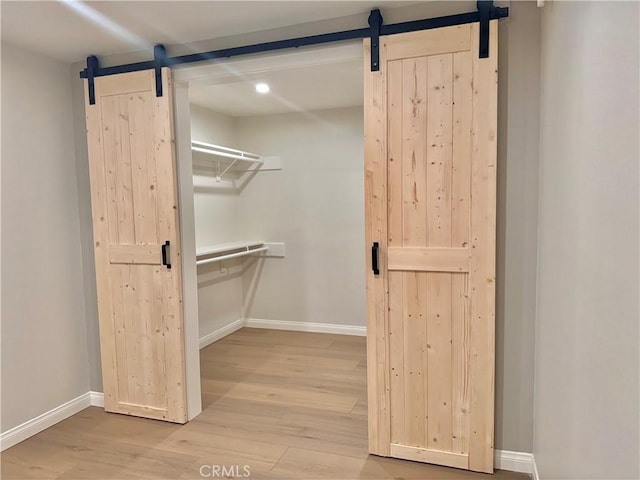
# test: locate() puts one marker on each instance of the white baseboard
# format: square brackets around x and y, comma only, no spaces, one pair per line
[521,462]
[221,333]
[97,399]
[42,422]
[280,325]
[534,474]
[306,327]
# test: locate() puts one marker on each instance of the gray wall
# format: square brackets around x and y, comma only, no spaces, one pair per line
[518,146]
[44,344]
[518,142]
[586,380]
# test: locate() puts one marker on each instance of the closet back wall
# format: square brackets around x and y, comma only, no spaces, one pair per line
[315,204]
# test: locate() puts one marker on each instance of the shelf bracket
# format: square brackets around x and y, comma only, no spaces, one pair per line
[226,170]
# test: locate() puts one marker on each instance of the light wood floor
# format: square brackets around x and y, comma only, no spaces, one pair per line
[288,405]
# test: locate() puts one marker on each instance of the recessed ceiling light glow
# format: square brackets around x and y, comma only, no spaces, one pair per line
[262,88]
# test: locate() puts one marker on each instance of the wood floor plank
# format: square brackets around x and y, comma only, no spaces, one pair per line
[282,395]
[289,405]
[310,464]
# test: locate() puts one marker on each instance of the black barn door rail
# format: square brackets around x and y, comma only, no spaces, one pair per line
[486,12]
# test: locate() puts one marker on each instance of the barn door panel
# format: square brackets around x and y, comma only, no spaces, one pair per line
[430,151]
[137,251]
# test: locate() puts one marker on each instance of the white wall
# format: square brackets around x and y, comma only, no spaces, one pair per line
[212,127]
[184,170]
[586,377]
[316,206]
[216,209]
[44,342]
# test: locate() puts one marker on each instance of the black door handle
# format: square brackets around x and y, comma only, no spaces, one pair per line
[374,258]
[166,259]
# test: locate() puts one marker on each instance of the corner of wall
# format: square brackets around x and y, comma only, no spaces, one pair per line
[86,229]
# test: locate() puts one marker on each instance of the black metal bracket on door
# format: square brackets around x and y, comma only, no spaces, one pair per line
[93,65]
[484,9]
[485,13]
[375,22]
[159,57]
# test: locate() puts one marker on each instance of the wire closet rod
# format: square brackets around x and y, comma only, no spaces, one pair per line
[231,255]
[223,151]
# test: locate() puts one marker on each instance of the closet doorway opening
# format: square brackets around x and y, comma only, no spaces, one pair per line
[272,208]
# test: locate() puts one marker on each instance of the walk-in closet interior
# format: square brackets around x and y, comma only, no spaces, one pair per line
[279,200]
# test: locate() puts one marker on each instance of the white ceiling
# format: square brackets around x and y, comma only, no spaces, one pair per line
[306,88]
[70,31]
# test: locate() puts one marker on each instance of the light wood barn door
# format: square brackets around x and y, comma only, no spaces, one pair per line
[134,201]
[430,148]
